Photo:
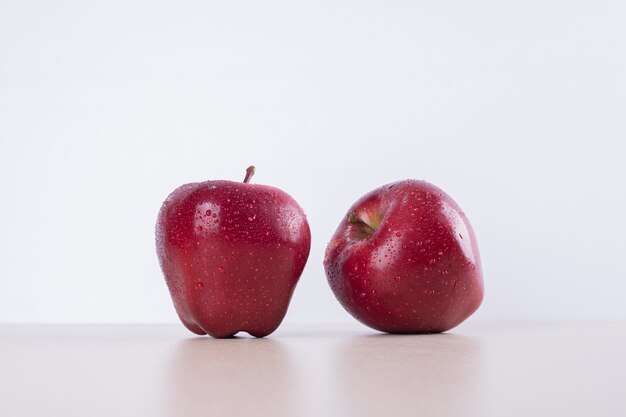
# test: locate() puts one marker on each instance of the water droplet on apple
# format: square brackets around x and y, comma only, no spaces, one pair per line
[199,285]
[221,269]
[398,234]
[251,218]
[208,212]
[362,295]
[200,228]
[439,253]
[398,278]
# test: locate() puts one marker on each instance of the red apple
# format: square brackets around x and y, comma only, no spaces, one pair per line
[231,254]
[405,260]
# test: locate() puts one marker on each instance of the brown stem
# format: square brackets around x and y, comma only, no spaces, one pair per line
[249,173]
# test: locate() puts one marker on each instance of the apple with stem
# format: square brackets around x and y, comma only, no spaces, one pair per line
[232,254]
[405,260]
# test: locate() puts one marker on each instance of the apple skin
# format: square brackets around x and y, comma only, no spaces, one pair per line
[405,260]
[232,254]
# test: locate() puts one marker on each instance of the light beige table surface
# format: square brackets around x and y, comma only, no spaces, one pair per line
[163,370]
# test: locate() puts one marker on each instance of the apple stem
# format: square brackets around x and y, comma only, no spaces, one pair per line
[354,219]
[249,173]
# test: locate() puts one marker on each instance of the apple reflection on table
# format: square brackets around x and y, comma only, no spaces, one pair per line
[237,376]
[436,374]
[307,373]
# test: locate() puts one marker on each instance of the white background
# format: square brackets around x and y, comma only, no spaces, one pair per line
[517,111]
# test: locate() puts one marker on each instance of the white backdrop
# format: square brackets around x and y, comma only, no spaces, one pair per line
[517,111]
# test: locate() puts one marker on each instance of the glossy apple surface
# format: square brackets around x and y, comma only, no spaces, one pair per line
[405,260]
[231,254]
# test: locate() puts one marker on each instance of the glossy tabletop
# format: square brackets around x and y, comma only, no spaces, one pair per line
[567,369]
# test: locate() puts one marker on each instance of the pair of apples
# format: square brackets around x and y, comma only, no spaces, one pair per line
[403,260]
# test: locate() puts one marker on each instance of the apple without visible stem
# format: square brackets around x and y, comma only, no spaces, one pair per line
[405,260]
[231,254]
